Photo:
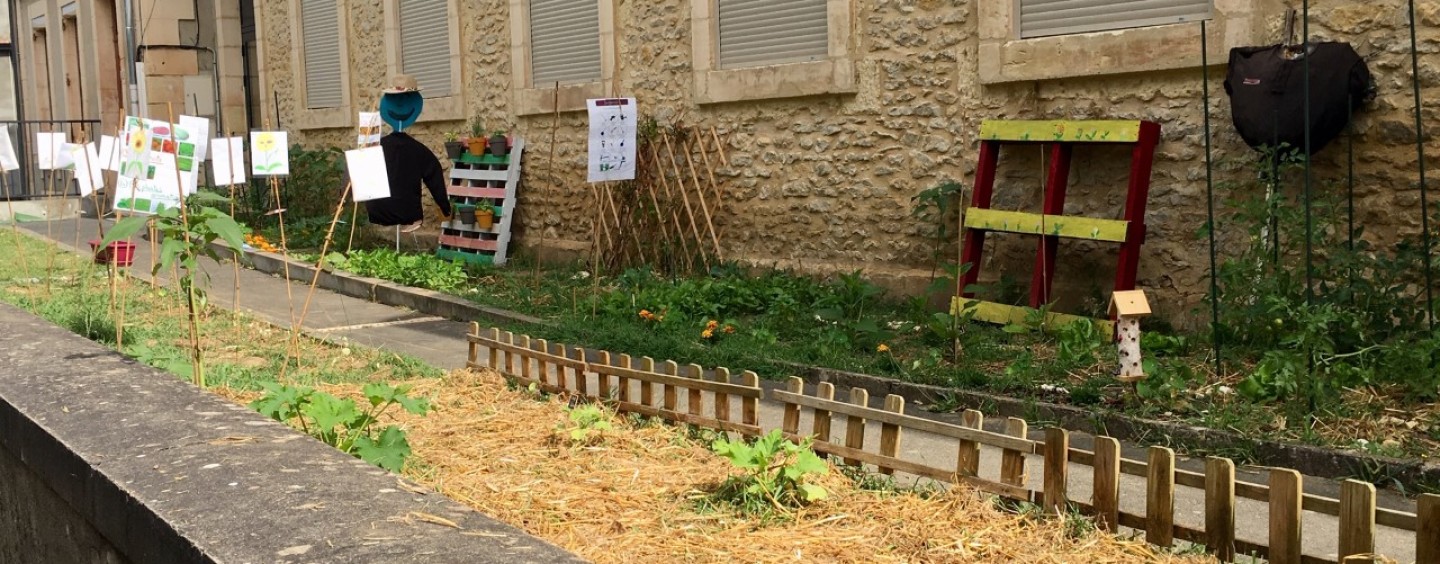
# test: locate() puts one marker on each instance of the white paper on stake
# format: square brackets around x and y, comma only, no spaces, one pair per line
[8,160]
[166,180]
[49,148]
[109,153]
[65,159]
[369,179]
[91,177]
[228,164]
[370,125]
[269,153]
[199,128]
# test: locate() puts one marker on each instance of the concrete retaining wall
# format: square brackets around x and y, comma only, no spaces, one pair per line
[103,460]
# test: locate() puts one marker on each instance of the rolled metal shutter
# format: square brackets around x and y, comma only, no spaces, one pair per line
[320,37]
[564,41]
[769,32]
[425,45]
[1039,18]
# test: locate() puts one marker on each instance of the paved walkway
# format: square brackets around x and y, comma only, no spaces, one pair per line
[442,343]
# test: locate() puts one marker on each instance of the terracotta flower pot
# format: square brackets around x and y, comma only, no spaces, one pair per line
[484,217]
[477,146]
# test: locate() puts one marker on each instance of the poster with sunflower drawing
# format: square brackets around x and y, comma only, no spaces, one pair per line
[269,153]
[158,162]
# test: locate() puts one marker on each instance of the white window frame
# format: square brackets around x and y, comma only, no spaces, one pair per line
[341,116]
[536,99]
[440,108]
[834,75]
[1005,57]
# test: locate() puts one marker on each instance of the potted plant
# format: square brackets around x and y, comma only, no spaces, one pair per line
[465,213]
[453,147]
[477,137]
[484,217]
[499,144]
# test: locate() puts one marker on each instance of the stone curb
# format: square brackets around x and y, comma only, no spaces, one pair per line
[1309,460]
[381,291]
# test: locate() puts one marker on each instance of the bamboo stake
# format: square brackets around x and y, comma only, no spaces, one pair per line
[284,245]
[689,210]
[314,281]
[197,354]
[704,207]
[649,157]
[95,185]
[719,146]
[14,223]
[550,172]
[230,157]
[675,215]
[709,168]
[50,221]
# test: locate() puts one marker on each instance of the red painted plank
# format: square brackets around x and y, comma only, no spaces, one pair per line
[1142,159]
[472,192]
[974,245]
[468,243]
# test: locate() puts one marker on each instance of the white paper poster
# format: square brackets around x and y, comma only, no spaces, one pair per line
[109,153]
[135,149]
[612,139]
[88,173]
[199,130]
[368,178]
[8,160]
[50,150]
[369,129]
[228,164]
[150,196]
[269,153]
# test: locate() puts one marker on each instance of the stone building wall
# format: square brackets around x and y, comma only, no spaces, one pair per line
[824,183]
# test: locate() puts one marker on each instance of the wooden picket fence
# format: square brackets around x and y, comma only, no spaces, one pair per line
[557,368]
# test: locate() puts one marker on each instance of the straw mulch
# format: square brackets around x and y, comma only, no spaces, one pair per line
[629,497]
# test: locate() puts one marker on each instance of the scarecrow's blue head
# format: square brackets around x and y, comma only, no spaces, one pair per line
[401,110]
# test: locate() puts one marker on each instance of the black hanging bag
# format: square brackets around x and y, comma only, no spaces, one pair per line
[1267,93]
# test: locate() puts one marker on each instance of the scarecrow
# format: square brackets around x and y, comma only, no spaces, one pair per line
[408,162]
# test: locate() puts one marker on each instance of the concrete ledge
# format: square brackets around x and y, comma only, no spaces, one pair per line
[143,467]
[382,291]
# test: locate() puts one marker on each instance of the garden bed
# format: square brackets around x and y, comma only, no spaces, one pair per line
[638,492]
[778,325]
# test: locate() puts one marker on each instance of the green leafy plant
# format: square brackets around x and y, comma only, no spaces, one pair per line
[186,233]
[934,206]
[424,271]
[586,423]
[774,473]
[342,423]
[1078,342]
[477,127]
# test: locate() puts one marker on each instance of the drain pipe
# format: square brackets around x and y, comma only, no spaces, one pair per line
[133,84]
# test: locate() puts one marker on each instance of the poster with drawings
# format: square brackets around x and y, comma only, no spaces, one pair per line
[612,139]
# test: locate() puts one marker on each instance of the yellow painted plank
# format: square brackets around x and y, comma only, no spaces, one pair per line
[1070,131]
[1070,227]
[1001,314]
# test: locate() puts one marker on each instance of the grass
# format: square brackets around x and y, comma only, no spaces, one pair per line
[241,352]
[775,328]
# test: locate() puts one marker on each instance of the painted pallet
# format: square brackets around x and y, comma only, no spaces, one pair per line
[483,181]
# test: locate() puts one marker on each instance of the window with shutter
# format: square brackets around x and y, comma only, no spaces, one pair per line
[765,32]
[1039,18]
[564,41]
[425,45]
[320,39]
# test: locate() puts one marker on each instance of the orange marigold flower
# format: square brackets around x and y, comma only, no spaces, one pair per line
[882,348]
[729,329]
[708,333]
[645,314]
[712,324]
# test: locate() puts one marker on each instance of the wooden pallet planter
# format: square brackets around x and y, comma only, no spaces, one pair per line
[631,385]
[485,181]
[558,368]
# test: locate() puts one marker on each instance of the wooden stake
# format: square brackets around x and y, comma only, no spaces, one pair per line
[550,173]
[190,305]
[230,157]
[700,195]
[14,223]
[284,245]
[675,215]
[314,281]
[689,211]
